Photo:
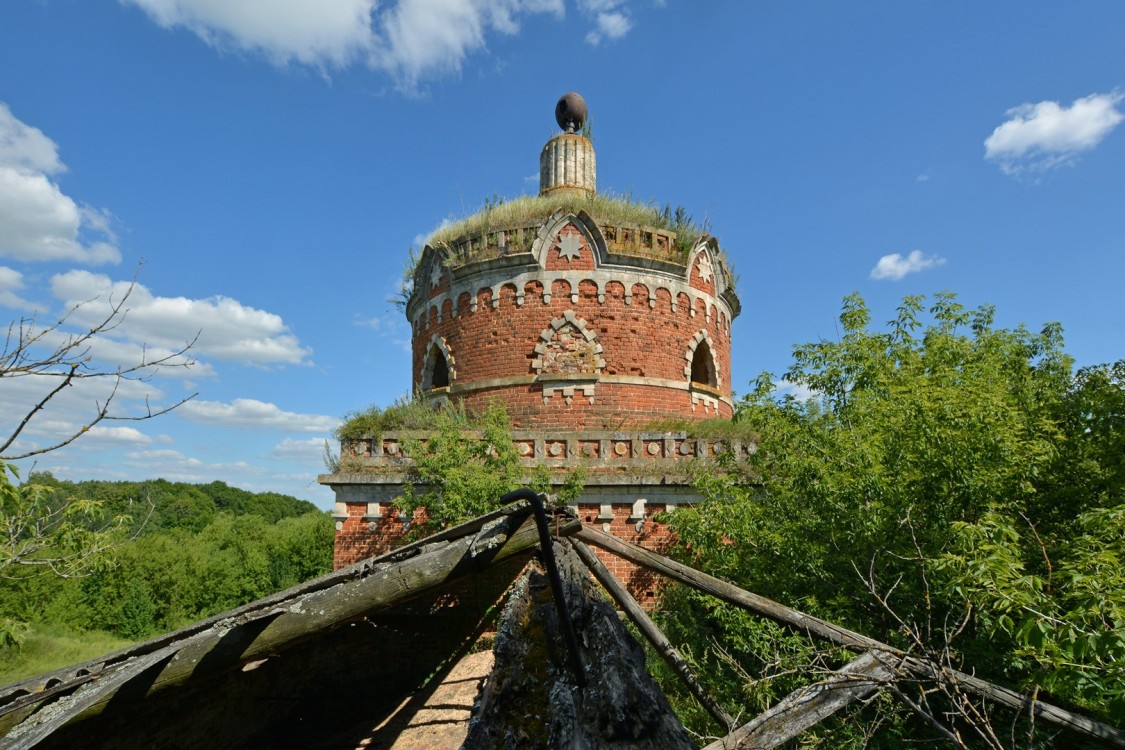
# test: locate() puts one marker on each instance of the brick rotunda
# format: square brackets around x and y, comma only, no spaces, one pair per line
[590,318]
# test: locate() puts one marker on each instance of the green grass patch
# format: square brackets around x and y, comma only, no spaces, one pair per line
[404,414]
[606,210]
[46,648]
[723,429]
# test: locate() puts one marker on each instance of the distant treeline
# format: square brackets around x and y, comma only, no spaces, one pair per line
[188,551]
[176,505]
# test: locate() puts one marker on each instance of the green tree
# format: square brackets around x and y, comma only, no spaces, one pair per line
[42,532]
[462,468]
[136,613]
[912,495]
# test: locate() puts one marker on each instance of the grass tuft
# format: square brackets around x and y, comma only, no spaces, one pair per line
[707,428]
[404,414]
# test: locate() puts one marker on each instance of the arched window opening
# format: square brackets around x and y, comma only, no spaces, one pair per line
[703,366]
[439,376]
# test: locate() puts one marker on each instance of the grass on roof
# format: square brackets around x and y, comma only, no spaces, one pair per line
[723,429]
[612,210]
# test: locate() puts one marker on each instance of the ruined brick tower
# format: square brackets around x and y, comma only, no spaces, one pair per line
[592,319]
[572,317]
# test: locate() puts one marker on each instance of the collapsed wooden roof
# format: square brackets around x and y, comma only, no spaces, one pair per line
[305,665]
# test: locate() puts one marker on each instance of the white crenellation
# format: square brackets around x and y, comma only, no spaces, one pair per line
[600,279]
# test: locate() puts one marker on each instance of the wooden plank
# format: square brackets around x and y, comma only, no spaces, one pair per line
[233,641]
[29,735]
[839,636]
[659,641]
[810,705]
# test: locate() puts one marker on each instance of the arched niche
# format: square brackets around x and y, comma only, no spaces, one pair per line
[438,369]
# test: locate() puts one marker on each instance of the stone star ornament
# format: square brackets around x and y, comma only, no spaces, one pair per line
[570,247]
[705,269]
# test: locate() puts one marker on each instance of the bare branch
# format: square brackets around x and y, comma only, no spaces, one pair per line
[31,350]
[36,409]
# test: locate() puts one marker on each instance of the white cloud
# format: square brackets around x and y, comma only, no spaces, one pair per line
[113,353]
[1040,136]
[38,222]
[226,328]
[176,467]
[611,19]
[386,325]
[309,451]
[250,413]
[421,38]
[312,32]
[98,437]
[894,266]
[71,411]
[389,328]
[11,282]
[799,391]
[412,39]
[160,454]
[609,26]
[25,147]
[598,6]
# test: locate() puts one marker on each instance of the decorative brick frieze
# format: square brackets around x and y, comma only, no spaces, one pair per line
[601,279]
[630,454]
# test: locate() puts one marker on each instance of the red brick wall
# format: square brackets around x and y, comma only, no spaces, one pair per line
[636,340]
[643,584]
[357,539]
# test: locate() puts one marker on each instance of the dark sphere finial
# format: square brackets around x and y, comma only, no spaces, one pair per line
[570,112]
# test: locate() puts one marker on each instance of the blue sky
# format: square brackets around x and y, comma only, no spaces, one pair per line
[264,167]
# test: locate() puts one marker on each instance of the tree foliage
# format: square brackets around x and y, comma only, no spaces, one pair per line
[41,531]
[951,488]
[463,463]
